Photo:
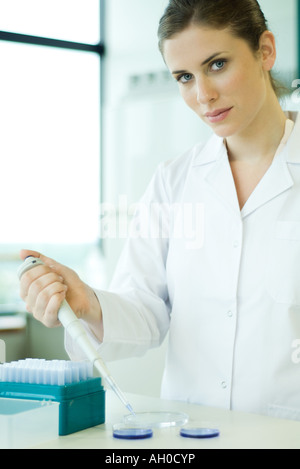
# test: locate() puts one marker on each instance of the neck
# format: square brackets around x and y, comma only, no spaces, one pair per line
[259,141]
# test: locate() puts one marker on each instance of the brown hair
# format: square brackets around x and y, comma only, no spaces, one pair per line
[244,18]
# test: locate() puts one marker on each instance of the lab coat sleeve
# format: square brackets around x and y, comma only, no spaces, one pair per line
[136,309]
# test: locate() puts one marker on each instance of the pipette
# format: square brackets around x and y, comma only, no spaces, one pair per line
[75,329]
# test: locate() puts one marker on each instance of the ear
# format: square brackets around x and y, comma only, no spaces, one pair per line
[268,50]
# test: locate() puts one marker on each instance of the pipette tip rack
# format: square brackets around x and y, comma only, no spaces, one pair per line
[81,397]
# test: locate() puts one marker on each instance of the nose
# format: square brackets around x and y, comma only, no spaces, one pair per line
[206,92]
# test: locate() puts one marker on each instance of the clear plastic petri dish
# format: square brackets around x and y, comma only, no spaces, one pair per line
[199,432]
[156,419]
[124,432]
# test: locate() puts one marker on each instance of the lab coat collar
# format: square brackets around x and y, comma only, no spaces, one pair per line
[220,179]
[212,151]
[218,176]
[277,180]
[214,148]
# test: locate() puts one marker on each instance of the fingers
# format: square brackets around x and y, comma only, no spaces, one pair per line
[44,287]
[47,307]
[35,276]
[43,291]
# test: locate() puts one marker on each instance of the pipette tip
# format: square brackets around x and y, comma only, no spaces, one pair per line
[131,410]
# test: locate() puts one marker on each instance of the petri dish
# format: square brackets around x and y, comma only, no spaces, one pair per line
[124,432]
[156,419]
[201,433]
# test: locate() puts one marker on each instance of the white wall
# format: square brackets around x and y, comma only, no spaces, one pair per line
[149,123]
[282,19]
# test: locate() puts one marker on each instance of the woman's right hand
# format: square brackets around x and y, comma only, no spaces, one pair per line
[44,288]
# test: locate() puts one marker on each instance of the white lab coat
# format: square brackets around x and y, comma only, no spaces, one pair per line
[227,292]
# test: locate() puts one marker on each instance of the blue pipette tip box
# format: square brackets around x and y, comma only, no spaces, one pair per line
[81,405]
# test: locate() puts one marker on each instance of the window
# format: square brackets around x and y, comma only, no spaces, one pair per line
[70,20]
[50,120]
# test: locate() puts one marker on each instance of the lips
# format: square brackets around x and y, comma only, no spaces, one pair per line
[218,115]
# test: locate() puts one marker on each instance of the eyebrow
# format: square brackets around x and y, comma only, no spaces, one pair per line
[203,63]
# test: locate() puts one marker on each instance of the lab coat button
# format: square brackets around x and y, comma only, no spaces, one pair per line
[224,385]
[236,244]
[230,314]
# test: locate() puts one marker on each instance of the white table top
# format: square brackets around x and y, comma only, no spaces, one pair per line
[237,430]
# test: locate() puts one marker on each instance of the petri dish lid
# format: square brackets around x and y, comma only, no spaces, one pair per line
[156,419]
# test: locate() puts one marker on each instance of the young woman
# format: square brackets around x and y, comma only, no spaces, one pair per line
[222,272]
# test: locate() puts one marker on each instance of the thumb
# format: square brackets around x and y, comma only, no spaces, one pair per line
[68,274]
[24,253]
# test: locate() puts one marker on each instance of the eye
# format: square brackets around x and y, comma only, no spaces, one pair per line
[185,78]
[218,65]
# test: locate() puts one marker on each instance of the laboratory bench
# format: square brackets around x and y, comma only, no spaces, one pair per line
[237,431]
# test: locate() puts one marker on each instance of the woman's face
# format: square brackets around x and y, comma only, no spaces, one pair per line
[220,78]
